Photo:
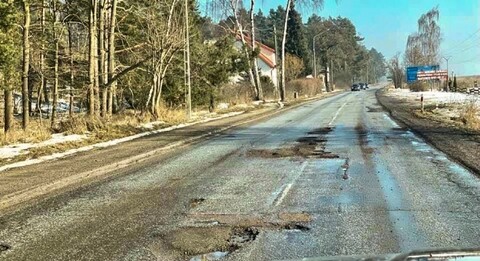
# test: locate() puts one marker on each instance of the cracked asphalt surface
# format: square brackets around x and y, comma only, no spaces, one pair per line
[387,192]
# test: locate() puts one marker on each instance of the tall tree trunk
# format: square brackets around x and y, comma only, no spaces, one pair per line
[26,64]
[247,53]
[284,40]
[326,80]
[92,57]
[102,73]
[72,71]
[256,72]
[8,110]
[111,57]
[55,82]
[56,39]
[43,80]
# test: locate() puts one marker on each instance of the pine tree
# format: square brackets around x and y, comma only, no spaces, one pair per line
[296,41]
[9,57]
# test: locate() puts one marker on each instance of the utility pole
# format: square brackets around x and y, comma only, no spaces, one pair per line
[446,59]
[187,43]
[314,58]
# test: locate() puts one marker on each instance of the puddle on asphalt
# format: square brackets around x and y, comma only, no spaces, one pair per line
[214,256]
[311,146]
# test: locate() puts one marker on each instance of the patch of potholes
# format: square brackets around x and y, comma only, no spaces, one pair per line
[310,146]
[212,236]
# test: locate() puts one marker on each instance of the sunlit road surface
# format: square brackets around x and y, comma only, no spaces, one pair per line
[333,177]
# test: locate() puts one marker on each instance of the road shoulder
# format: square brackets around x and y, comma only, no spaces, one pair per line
[460,144]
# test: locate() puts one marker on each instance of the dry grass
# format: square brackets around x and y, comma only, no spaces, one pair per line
[304,87]
[35,133]
[466,82]
[172,116]
[470,115]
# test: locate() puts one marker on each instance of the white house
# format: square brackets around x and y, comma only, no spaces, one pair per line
[267,61]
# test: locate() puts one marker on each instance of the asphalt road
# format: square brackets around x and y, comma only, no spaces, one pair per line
[332,177]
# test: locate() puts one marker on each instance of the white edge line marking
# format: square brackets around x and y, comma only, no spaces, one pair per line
[289,185]
[337,113]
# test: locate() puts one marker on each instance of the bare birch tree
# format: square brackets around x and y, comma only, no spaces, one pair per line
[316,4]
[26,63]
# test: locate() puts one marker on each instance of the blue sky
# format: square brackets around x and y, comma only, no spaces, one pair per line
[386,24]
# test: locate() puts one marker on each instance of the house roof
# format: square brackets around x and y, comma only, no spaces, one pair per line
[267,60]
[261,45]
[265,51]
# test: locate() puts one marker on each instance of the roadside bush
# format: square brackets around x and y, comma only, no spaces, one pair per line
[304,87]
[268,87]
[236,93]
[419,87]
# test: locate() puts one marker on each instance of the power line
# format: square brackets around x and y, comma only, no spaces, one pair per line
[469,60]
[452,50]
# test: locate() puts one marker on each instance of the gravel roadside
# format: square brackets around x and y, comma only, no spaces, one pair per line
[458,143]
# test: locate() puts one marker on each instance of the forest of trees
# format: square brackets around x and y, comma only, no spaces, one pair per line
[104,55]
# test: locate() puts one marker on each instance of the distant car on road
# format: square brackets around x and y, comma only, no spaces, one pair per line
[356,87]
[362,86]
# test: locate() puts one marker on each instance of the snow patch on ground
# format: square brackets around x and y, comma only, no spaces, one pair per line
[448,104]
[151,125]
[24,147]
[11,151]
[432,97]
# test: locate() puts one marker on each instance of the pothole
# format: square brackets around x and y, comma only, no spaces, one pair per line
[194,202]
[299,227]
[321,131]
[311,146]
[231,233]
[372,109]
[4,247]
[242,236]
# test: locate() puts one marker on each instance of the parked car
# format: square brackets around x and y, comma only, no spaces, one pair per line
[355,87]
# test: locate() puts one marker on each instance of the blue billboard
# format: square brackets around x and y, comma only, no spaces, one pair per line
[413,70]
